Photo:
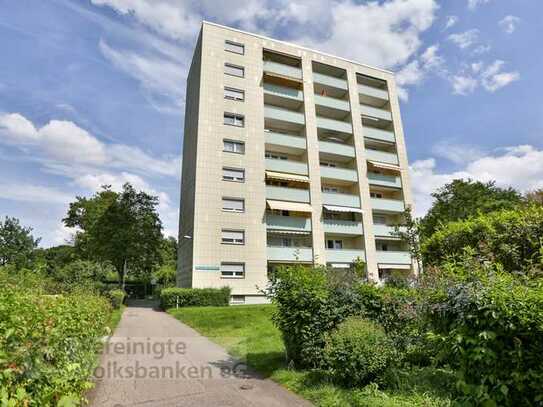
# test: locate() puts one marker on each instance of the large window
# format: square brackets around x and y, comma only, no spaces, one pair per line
[233,174]
[234,94]
[334,244]
[234,70]
[233,270]
[233,204]
[234,47]
[234,119]
[275,156]
[233,236]
[231,146]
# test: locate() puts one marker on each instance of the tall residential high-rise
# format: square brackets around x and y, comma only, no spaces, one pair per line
[290,155]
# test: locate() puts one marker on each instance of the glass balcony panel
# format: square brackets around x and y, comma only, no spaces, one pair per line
[373,92]
[285,115]
[287,194]
[344,255]
[338,199]
[290,254]
[384,230]
[334,125]
[382,156]
[384,180]
[378,134]
[336,148]
[283,91]
[390,257]
[330,81]
[375,112]
[342,227]
[332,103]
[291,167]
[344,174]
[294,223]
[282,69]
[388,205]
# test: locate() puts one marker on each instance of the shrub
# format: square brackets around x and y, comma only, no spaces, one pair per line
[358,352]
[194,297]
[490,325]
[116,297]
[48,344]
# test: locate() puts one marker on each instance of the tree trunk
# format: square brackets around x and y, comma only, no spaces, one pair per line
[121,271]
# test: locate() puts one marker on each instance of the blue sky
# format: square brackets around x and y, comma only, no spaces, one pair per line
[92,91]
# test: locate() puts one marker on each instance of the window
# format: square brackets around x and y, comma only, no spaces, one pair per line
[232,270]
[234,70]
[376,195]
[233,119]
[276,183]
[234,47]
[334,244]
[379,220]
[233,205]
[331,189]
[233,174]
[231,146]
[327,164]
[233,236]
[234,94]
[275,156]
[382,246]
[237,299]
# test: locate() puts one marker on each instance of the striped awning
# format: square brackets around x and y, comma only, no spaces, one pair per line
[333,208]
[289,232]
[289,206]
[286,177]
[395,266]
[385,166]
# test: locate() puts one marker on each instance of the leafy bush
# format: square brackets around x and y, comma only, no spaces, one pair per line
[358,352]
[48,344]
[490,325]
[511,238]
[194,297]
[116,297]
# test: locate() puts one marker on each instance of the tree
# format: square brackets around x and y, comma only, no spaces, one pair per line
[535,196]
[121,228]
[166,273]
[409,232]
[462,199]
[17,245]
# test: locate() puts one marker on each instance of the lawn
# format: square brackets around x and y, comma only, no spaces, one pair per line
[248,332]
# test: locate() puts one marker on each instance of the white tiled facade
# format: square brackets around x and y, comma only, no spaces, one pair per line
[319,168]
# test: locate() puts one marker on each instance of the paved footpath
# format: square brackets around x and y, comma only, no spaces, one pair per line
[155,360]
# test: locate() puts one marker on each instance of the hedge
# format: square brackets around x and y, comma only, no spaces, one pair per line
[194,297]
[116,297]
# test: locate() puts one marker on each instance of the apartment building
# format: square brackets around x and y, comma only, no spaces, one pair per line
[290,156]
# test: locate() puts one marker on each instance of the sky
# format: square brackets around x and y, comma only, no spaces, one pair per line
[92,91]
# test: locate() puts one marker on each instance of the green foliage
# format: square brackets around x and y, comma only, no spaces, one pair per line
[194,297]
[48,343]
[489,325]
[58,257]
[17,244]
[535,197]
[462,199]
[123,229]
[82,272]
[116,297]
[512,238]
[358,352]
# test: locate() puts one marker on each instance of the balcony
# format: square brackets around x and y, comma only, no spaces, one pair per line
[389,257]
[284,115]
[344,150]
[390,181]
[372,92]
[387,205]
[290,223]
[295,143]
[344,255]
[343,174]
[287,194]
[382,156]
[282,69]
[385,231]
[342,227]
[378,134]
[376,112]
[283,92]
[290,254]
[338,199]
[289,166]
[334,125]
[332,103]
[330,81]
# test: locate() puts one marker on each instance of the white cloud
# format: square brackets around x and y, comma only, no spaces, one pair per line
[509,24]
[17,128]
[33,193]
[463,85]
[493,79]
[473,4]
[490,77]
[465,39]
[520,167]
[457,153]
[450,22]
[481,49]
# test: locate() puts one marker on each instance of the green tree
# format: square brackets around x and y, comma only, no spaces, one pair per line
[122,228]
[17,245]
[535,196]
[463,199]
[409,232]
[166,272]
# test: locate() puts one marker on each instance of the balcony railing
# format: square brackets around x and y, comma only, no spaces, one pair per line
[282,69]
[379,134]
[283,91]
[285,115]
[375,112]
[390,257]
[290,254]
[287,194]
[290,223]
[334,125]
[285,140]
[332,103]
[336,148]
[343,174]
[342,227]
[344,255]
[330,81]
[385,230]
[382,156]
[373,92]
[291,167]
[390,181]
[339,199]
[388,205]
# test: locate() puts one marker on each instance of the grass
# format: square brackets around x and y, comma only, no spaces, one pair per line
[248,332]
